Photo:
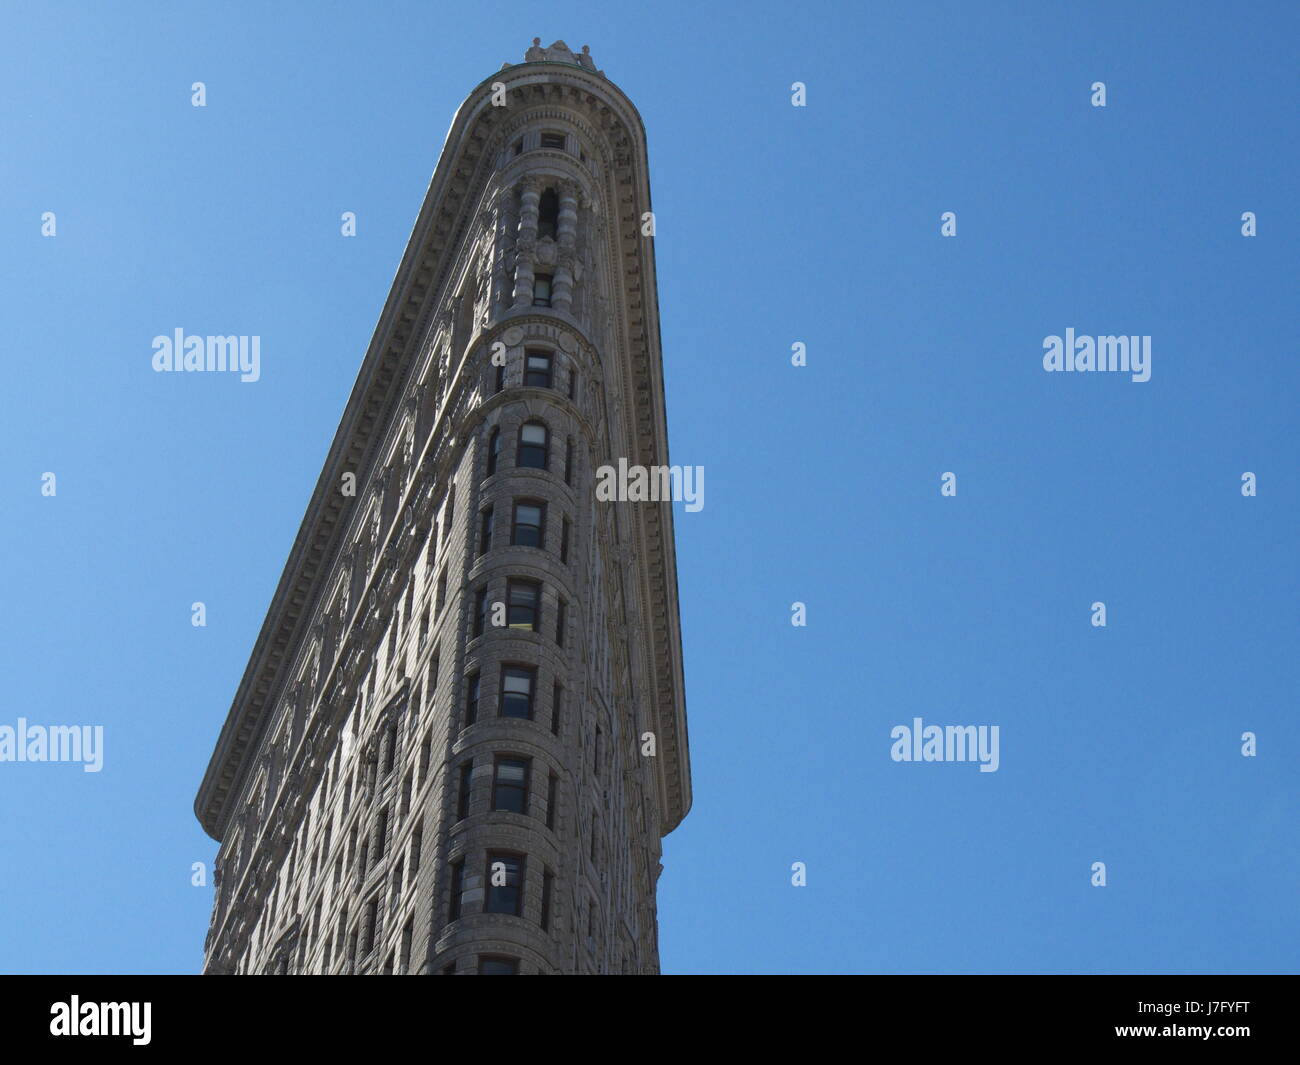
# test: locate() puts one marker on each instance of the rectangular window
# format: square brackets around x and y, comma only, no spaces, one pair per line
[534,447]
[542,290]
[424,626]
[510,785]
[524,605]
[548,885]
[492,966]
[553,140]
[501,378]
[463,793]
[417,842]
[551,782]
[426,756]
[564,541]
[449,514]
[504,883]
[529,526]
[517,683]
[381,835]
[557,693]
[537,369]
[560,611]
[471,698]
[457,882]
[480,611]
[442,592]
[371,925]
[573,381]
[568,461]
[485,531]
[408,933]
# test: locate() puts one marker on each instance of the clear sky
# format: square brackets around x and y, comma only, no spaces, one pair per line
[775,225]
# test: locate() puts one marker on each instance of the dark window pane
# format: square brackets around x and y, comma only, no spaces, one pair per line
[538,371]
[504,883]
[527,531]
[510,788]
[517,692]
[523,605]
[533,446]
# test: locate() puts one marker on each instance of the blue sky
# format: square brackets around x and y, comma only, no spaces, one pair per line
[775,224]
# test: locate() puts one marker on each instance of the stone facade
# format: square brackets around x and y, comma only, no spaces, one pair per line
[462,734]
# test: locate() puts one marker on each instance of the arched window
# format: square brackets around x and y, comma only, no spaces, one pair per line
[534,446]
[494,449]
[548,214]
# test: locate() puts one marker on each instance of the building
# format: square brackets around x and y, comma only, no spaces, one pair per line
[462,734]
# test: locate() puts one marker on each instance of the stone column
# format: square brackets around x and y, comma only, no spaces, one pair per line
[527,242]
[566,234]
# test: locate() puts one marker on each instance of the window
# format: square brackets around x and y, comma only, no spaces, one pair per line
[417,841]
[480,611]
[493,966]
[573,381]
[534,446]
[494,449]
[557,693]
[504,883]
[559,623]
[441,596]
[529,526]
[564,541]
[431,685]
[553,140]
[500,379]
[426,756]
[408,933]
[485,530]
[449,514]
[517,684]
[568,461]
[524,605]
[595,757]
[542,290]
[424,621]
[550,800]
[537,370]
[510,785]
[548,207]
[462,794]
[548,885]
[390,749]
[457,883]
[519,146]
[381,835]
[471,698]
[371,925]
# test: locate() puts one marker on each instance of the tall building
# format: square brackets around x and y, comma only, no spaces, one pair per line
[462,733]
